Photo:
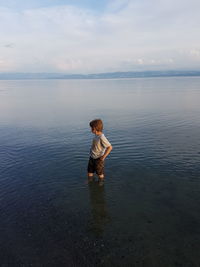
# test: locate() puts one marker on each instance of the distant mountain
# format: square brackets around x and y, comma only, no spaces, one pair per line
[108,75]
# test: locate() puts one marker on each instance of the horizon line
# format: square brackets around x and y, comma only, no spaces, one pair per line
[102,75]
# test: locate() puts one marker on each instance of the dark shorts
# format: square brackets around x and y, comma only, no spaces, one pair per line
[96,165]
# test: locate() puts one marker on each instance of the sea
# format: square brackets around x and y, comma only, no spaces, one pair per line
[146,213]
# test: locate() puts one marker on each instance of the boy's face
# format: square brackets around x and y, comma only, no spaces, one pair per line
[93,130]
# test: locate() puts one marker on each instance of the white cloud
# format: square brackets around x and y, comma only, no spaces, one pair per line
[127,35]
[195,52]
[140,61]
[6,65]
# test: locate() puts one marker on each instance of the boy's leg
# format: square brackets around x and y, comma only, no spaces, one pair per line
[90,168]
[90,177]
[100,169]
[101,180]
[101,177]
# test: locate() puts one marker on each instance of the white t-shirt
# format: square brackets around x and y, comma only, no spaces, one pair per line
[99,145]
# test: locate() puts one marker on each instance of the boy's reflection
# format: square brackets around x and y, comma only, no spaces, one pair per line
[98,207]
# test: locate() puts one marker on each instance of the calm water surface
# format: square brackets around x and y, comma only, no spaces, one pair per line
[146,213]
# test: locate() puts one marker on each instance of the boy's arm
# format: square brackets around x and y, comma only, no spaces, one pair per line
[107,152]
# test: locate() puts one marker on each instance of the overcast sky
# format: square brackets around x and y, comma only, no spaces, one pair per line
[88,36]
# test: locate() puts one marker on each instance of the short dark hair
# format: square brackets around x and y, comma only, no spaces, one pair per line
[97,124]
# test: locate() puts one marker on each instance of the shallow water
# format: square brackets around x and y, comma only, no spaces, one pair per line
[147,211]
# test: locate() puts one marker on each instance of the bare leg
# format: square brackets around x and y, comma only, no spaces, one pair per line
[101,179]
[90,176]
[101,176]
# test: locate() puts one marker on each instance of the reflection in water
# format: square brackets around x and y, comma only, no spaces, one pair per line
[98,207]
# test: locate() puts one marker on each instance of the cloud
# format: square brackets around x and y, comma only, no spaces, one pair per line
[195,52]
[140,61]
[9,45]
[127,35]
[6,65]
[115,6]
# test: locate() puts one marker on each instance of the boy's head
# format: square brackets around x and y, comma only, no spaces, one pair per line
[96,125]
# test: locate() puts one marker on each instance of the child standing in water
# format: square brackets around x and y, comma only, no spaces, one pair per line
[100,149]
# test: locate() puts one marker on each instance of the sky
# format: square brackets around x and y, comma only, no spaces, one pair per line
[88,36]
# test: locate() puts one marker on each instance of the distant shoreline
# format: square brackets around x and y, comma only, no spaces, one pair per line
[109,75]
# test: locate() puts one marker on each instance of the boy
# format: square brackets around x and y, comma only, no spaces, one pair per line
[99,150]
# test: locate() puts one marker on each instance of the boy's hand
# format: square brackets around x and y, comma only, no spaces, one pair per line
[108,149]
